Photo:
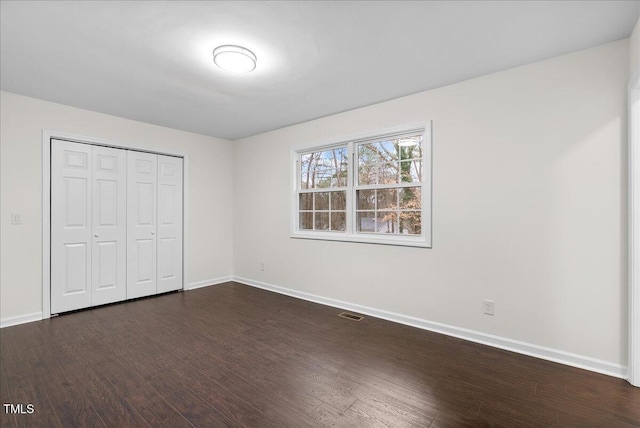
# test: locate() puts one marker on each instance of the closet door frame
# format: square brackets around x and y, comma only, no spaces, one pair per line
[47,136]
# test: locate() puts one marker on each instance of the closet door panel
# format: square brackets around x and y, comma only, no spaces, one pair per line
[71,244]
[169,223]
[109,214]
[141,224]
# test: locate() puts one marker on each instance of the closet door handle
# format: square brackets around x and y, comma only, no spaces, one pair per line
[97,235]
[153,233]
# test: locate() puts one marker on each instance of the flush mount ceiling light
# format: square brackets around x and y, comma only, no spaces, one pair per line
[408,142]
[234,58]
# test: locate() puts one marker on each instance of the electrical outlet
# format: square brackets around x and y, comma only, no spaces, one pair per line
[16,218]
[489,307]
[262,267]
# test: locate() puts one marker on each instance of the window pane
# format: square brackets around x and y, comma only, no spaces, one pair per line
[367,154]
[322,221]
[310,179]
[306,221]
[416,171]
[405,172]
[338,220]
[379,152]
[322,201]
[387,173]
[410,198]
[324,159]
[322,178]
[339,158]
[366,200]
[307,171]
[387,222]
[387,151]
[410,223]
[387,199]
[367,174]
[410,171]
[338,201]
[410,147]
[304,180]
[418,150]
[305,161]
[306,202]
[339,179]
[366,221]
[409,152]
[323,169]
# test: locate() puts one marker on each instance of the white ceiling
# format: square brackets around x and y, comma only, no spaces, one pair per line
[151,61]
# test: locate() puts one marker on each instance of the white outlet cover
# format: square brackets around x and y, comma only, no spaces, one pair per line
[16,218]
[489,307]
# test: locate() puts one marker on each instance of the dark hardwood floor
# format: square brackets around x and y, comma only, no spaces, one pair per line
[232,355]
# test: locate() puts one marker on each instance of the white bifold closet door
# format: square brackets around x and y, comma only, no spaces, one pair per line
[154,218]
[88,225]
[116,225]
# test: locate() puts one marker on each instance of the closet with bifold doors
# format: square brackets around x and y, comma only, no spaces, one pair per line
[116,224]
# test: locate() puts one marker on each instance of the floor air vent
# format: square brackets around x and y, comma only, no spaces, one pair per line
[349,316]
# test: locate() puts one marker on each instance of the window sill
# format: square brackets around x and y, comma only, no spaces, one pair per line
[400,241]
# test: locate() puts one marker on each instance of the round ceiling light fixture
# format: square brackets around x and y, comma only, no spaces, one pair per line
[234,58]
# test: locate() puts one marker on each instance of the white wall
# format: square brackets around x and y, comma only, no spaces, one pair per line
[22,120]
[634,51]
[529,209]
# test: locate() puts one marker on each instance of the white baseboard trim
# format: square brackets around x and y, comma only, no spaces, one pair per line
[37,316]
[208,282]
[555,355]
[20,319]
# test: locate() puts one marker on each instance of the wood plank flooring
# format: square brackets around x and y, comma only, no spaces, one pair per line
[234,356]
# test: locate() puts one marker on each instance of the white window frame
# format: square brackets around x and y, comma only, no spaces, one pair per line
[351,234]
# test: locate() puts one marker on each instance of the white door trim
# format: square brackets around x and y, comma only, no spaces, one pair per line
[47,135]
[634,231]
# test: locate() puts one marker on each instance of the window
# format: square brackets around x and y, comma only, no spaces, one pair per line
[375,189]
[323,190]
